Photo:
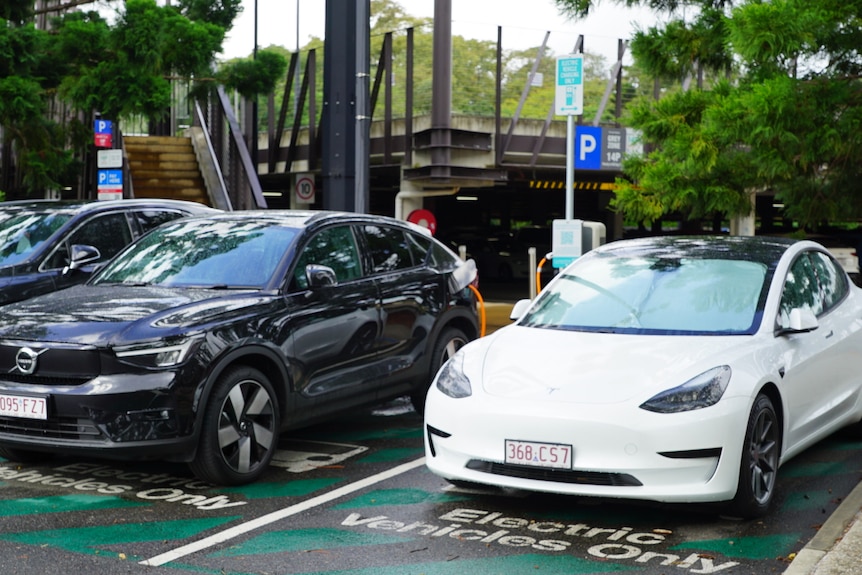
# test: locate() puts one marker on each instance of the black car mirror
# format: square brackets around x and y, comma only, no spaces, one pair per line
[82,255]
[320,276]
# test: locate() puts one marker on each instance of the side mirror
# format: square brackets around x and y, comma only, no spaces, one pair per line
[800,319]
[320,276]
[82,255]
[520,308]
[463,275]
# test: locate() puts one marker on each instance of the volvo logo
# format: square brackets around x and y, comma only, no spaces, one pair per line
[25,360]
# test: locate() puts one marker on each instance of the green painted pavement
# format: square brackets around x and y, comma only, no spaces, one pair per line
[92,540]
[354,436]
[760,547]
[814,469]
[397,454]
[63,503]
[799,501]
[307,540]
[298,488]
[399,497]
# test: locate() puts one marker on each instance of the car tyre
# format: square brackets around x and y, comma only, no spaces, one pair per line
[23,455]
[759,464]
[450,341]
[239,433]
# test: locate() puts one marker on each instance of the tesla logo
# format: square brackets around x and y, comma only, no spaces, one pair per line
[25,360]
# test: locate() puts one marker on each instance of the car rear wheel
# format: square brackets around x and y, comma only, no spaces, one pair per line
[759,465]
[450,341]
[240,429]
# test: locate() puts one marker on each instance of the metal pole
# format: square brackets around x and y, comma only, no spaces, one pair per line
[363,114]
[570,167]
[296,89]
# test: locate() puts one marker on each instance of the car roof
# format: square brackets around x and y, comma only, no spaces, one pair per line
[764,249]
[310,218]
[81,206]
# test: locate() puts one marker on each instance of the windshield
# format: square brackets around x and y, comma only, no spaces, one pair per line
[653,295]
[209,254]
[22,233]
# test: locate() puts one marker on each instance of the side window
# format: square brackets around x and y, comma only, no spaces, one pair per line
[333,247]
[833,280]
[801,289]
[420,247]
[152,218]
[442,259]
[388,248]
[109,233]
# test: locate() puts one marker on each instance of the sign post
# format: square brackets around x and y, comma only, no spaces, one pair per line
[303,189]
[569,102]
[110,184]
[103,133]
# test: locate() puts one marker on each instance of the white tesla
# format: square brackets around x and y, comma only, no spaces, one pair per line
[668,369]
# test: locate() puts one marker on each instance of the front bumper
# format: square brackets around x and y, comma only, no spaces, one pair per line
[618,451]
[122,416]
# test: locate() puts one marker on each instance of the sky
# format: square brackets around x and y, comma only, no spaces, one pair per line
[524,24]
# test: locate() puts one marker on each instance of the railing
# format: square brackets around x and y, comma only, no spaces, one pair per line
[230,153]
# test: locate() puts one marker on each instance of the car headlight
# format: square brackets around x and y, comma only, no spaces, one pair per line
[157,354]
[699,392]
[451,379]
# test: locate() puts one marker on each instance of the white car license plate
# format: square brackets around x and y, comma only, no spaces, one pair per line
[23,406]
[555,455]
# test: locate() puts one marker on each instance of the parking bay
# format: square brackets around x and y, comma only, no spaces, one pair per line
[353,497]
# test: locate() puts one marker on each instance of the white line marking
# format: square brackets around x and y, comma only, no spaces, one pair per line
[280,514]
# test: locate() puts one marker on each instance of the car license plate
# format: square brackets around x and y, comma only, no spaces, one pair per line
[555,455]
[23,406]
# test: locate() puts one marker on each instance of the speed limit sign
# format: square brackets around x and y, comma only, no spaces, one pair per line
[304,189]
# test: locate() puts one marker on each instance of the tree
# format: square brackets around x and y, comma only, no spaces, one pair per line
[778,108]
[122,70]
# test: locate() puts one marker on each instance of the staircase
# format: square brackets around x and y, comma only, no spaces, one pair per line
[165,167]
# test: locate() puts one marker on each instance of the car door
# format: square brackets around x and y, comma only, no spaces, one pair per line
[411,295]
[107,232]
[333,327]
[821,380]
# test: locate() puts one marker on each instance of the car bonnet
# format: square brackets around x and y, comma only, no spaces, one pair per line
[105,315]
[597,368]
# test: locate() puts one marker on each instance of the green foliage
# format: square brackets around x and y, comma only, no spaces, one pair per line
[779,109]
[120,70]
[16,11]
[256,76]
[125,69]
[220,13]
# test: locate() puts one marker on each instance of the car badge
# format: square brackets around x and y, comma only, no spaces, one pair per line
[25,360]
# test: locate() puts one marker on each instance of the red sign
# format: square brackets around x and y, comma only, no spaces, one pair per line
[423,218]
[103,140]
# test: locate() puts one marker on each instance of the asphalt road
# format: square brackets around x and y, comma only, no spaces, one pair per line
[352,497]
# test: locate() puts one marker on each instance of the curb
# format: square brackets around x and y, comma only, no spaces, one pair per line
[829,536]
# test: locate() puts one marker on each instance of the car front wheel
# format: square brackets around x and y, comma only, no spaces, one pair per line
[240,429]
[759,465]
[450,341]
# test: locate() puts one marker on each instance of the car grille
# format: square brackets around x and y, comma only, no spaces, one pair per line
[43,380]
[555,475]
[58,428]
[63,365]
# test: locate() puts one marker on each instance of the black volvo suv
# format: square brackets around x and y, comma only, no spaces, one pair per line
[208,337]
